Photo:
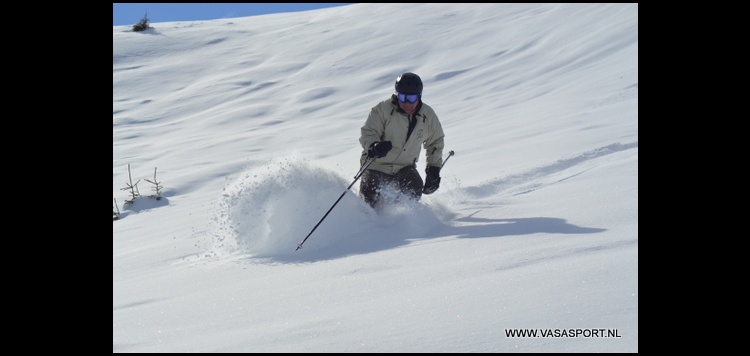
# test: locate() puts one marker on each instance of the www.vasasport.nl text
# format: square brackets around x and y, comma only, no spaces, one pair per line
[561,333]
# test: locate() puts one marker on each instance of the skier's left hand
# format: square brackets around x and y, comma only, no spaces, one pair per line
[432,180]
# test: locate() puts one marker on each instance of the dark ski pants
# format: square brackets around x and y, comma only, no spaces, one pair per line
[407,180]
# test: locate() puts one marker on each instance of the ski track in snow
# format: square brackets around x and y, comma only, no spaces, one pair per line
[533,179]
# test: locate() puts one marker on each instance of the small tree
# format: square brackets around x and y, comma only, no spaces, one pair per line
[142,25]
[134,193]
[157,186]
[115,211]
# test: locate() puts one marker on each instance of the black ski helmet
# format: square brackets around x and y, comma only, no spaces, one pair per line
[409,83]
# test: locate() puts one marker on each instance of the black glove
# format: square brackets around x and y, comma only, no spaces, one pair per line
[432,180]
[379,149]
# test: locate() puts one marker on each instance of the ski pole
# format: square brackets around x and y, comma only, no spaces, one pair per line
[451,153]
[356,177]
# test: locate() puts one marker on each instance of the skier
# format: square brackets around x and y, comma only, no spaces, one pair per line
[393,135]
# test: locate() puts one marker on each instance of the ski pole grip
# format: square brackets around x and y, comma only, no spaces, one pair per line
[451,153]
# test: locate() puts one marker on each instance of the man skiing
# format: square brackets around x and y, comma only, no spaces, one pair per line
[393,134]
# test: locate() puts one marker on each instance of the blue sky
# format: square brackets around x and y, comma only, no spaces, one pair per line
[124,14]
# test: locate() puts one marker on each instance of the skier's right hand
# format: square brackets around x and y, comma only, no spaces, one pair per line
[379,149]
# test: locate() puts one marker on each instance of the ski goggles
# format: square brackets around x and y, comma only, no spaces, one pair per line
[411,98]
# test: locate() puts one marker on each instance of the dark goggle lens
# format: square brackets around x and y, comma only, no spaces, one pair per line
[411,98]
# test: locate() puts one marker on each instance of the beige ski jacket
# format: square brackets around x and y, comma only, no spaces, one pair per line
[388,122]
